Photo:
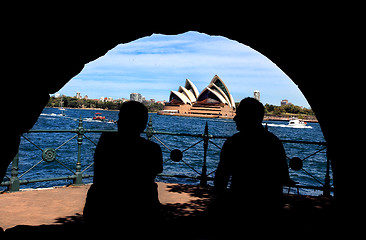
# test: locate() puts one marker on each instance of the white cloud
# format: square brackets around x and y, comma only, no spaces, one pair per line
[174,52]
[161,63]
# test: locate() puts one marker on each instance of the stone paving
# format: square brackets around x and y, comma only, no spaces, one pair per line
[56,205]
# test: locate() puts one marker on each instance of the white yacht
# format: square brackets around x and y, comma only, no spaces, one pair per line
[294,122]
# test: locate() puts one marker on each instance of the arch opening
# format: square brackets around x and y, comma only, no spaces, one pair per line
[158,64]
[307,53]
[218,89]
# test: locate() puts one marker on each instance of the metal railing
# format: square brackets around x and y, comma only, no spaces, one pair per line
[176,155]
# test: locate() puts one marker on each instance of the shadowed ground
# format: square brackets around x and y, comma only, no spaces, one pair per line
[183,207]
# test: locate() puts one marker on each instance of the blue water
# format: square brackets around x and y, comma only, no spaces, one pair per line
[67,154]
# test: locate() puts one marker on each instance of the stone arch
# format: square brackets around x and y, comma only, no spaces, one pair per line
[306,61]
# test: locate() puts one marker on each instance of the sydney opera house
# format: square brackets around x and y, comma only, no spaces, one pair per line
[215,101]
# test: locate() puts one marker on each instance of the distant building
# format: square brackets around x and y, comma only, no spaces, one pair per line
[257,95]
[78,95]
[284,102]
[86,97]
[136,97]
[57,95]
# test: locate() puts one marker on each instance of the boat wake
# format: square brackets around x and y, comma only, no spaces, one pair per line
[54,115]
[88,120]
[51,115]
[286,125]
[97,121]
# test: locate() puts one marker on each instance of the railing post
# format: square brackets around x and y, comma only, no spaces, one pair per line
[203,181]
[149,130]
[78,175]
[326,189]
[14,179]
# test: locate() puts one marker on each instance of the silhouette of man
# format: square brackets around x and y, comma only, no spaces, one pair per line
[125,167]
[256,162]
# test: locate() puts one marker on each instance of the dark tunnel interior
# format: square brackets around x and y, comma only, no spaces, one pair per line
[41,59]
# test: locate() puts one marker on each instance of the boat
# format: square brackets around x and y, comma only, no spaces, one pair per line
[62,109]
[99,117]
[296,122]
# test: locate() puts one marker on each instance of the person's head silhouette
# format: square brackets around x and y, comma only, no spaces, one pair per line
[249,113]
[132,118]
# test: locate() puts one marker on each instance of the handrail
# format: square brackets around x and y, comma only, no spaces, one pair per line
[213,136]
[49,155]
[161,132]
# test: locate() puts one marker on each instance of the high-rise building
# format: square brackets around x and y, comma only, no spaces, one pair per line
[257,95]
[78,95]
[136,97]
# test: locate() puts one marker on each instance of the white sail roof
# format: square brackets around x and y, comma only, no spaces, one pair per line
[232,101]
[216,93]
[188,93]
[191,87]
[224,90]
[181,96]
[219,90]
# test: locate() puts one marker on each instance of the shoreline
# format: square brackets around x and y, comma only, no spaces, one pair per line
[95,109]
[267,117]
[306,118]
[194,115]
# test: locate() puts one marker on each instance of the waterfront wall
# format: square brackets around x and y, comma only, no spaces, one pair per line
[307,118]
[199,110]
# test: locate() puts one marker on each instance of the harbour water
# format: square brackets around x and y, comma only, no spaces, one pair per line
[191,165]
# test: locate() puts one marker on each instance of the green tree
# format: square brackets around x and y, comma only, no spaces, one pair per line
[268,108]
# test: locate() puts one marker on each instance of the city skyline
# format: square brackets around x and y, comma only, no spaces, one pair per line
[79,95]
[156,64]
[256,95]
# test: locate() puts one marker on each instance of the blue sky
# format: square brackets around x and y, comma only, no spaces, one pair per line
[156,64]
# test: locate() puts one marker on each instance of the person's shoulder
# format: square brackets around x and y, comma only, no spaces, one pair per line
[271,136]
[151,148]
[236,135]
[108,136]
[150,144]
[234,138]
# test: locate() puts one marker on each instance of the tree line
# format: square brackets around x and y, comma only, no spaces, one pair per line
[287,109]
[73,102]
